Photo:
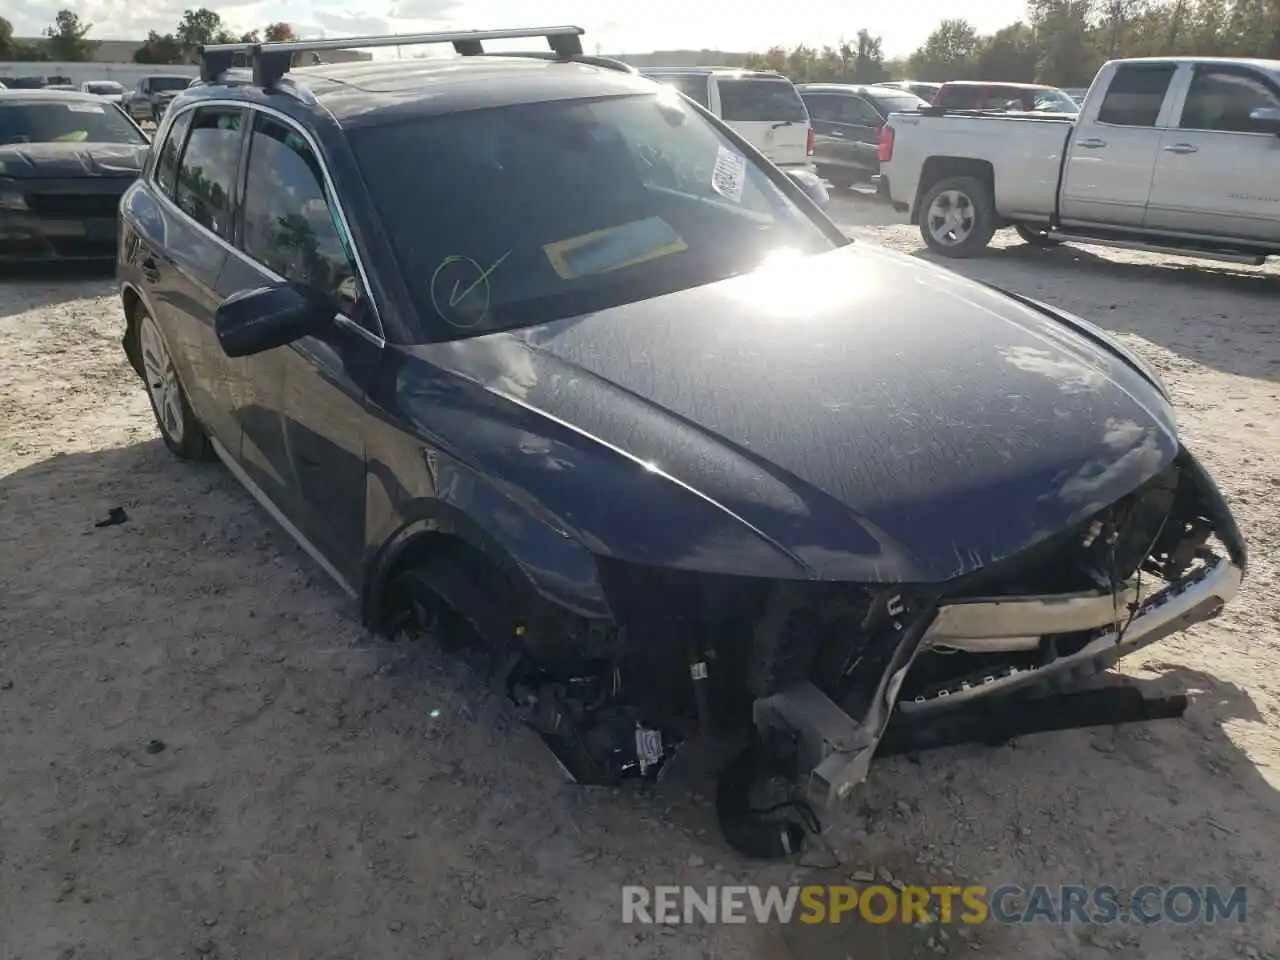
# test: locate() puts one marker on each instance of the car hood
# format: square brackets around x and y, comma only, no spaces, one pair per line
[869,416]
[29,161]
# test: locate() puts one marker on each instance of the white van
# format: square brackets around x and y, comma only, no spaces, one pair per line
[762,107]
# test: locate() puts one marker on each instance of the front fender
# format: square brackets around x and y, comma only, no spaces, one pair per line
[407,501]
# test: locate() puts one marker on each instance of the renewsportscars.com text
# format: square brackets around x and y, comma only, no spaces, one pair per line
[1008,904]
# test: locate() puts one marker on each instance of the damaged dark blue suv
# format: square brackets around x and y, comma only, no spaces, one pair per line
[539,354]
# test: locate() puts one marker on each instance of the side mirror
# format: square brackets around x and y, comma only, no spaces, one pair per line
[1266,120]
[812,185]
[253,321]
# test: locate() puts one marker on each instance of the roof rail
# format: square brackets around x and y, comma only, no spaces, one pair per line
[608,63]
[271,61]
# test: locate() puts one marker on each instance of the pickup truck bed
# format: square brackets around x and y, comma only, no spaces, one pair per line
[1180,155]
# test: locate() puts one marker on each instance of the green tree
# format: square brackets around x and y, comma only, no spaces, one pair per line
[6,39]
[66,38]
[868,60]
[160,49]
[199,27]
[949,53]
[1008,54]
[279,33]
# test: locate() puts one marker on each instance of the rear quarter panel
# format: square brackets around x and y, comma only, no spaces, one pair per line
[1024,153]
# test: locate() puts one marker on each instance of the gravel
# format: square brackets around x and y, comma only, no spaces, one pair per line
[205,756]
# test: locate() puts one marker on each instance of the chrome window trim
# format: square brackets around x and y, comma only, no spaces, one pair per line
[378,338]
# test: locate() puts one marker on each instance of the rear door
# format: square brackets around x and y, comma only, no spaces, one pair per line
[768,112]
[1217,173]
[183,271]
[1111,156]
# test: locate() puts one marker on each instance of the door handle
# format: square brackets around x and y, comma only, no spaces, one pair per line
[1181,148]
[1093,143]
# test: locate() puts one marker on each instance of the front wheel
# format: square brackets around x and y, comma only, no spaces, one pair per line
[958,217]
[179,428]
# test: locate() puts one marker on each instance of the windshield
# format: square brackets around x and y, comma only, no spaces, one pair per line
[65,122]
[161,84]
[1055,101]
[103,87]
[535,212]
[761,99]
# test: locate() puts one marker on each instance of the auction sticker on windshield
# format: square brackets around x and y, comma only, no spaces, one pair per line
[614,248]
[84,108]
[729,177]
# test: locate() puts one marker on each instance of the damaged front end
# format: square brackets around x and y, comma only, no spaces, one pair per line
[840,671]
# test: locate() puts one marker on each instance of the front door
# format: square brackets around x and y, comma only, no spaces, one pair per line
[1112,153]
[1218,173]
[311,426]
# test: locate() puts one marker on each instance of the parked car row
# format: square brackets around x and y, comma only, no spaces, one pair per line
[66,159]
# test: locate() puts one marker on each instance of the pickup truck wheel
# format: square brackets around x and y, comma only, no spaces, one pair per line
[1035,237]
[958,217]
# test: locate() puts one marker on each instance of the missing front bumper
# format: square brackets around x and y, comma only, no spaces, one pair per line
[837,748]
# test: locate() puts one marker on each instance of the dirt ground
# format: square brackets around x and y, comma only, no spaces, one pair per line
[201,754]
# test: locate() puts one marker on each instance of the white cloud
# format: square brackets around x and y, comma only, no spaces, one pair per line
[629,26]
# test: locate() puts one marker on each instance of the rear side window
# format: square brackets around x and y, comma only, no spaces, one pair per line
[761,99]
[207,172]
[857,111]
[290,227]
[167,162]
[1135,95]
[963,98]
[695,88]
[821,106]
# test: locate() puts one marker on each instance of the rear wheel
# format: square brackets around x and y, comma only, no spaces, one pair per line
[179,428]
[958,217]
[1035,236]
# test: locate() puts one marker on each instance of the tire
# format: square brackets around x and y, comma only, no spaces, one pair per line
[1035,237]
[973,223]
[179,428]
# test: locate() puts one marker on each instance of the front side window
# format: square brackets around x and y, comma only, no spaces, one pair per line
[207,172]
[1223,100]
[72,121]
[1136,95]
[761,99]
[167,160]
[289,225]
[541,211]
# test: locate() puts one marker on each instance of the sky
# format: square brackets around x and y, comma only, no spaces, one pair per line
[621,26]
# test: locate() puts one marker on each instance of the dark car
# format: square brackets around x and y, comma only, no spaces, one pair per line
[846,127]
[986,95]
[533,354]
[65,160]
[924,89]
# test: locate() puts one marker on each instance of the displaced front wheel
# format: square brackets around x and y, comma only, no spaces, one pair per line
[958,217]
[1036,236]
[179,428]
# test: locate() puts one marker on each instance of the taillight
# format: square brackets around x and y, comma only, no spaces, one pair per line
[884,148]
[808,143]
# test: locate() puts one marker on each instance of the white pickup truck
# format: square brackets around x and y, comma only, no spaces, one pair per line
[1175,154]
